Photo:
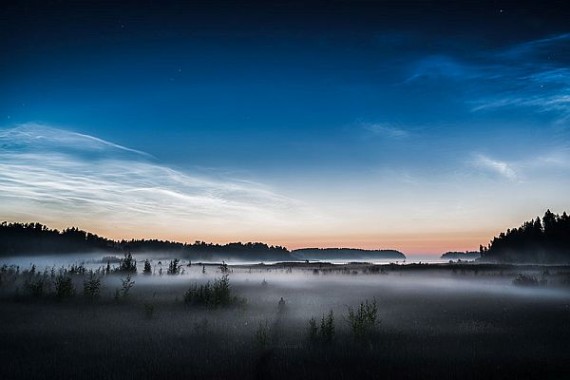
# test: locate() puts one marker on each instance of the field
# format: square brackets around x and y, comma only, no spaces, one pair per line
[431,321]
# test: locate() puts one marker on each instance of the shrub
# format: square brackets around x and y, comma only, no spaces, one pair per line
[128,264]
[364,320]
[92,287]
[212,295]
[147,268]
[126,286]
[35,286]
[77,269]
[173,267]
[323,334]
[64,287]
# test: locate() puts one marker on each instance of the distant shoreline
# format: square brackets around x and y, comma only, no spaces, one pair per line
[397,267]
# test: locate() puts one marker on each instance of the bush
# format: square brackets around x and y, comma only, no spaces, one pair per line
[77,269]
[147,268]
[92,287]
[224,268]
[35,286]
[128,264]
[364,320]
[64,287]
[173,267]
[212,295]
[126,286]
[323,334]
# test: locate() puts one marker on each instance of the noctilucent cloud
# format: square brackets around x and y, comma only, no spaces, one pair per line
[419,126]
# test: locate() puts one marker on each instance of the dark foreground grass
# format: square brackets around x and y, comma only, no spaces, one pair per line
[422,333]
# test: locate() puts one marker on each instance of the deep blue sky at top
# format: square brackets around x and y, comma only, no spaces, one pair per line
[297,87]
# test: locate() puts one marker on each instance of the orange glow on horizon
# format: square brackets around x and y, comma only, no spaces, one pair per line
[417,243]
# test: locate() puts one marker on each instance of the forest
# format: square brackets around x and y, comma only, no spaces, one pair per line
[35,238]
[545,240]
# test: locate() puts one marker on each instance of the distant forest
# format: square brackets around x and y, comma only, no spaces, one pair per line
[347,254]
[37,239]
[468,255]
[536,241]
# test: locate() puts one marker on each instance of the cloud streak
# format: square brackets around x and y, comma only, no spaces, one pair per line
[387,131]
[532,75]
[52,174]
[500,168]
[538,75]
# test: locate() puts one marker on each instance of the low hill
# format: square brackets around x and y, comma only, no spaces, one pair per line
[347,254]
[463,256]
[21,239]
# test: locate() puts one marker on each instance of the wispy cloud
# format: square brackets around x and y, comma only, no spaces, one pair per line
[500,168]
[533,75]
[37,137]
[442,66]
[544,90]
[536,166]
[52,174]
[544,45]
[386,130]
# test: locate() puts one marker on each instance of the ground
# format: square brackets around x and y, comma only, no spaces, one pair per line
[435,322]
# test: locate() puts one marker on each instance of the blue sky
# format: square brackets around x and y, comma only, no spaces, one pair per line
[423,127]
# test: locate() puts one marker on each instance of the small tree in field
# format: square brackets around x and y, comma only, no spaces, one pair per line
[147,268]
[324,333]
[126,286]
[92,287]
[173,267]
[64,287]
[364,320]
[212,295]
[128,264]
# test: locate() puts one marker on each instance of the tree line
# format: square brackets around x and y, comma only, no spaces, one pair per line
[35,238]
[545,240]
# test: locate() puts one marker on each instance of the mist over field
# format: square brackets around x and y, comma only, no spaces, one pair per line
[433,321]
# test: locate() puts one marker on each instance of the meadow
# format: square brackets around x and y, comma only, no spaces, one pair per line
[288,320]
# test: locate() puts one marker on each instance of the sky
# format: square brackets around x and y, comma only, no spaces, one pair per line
[423,126]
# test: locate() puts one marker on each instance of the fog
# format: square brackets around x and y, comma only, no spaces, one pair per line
[467,313]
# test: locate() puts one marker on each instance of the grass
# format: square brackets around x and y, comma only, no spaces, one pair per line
[425,333]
